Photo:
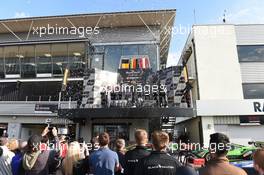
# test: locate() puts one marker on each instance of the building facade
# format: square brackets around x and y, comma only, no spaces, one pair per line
[36,52]
[224,66]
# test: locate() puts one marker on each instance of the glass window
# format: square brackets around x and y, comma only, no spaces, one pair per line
[28,65]
[43,58]
[2,73]
[114,130]
[112,58]
[12,60]
[97,61]
[97,129]
[60,58]
[76,59]
[250,53]
[253,91]
[98,49]
[130,50]
[151,51]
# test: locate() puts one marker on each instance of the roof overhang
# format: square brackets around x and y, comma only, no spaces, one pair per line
[164,19]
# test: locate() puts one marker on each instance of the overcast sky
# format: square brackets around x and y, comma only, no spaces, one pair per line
[206,12]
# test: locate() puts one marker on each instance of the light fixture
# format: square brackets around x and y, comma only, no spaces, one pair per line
[253,90]
[77,54]
[20,56]
[47,55]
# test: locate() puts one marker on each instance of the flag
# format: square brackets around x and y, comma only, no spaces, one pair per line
[125,64]
[144,63]
[133,63]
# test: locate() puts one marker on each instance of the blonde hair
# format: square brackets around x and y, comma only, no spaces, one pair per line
[141,136]
[160,140]
[120,144]
[72,157]
[12,144]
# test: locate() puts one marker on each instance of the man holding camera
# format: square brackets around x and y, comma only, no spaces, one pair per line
[38,160]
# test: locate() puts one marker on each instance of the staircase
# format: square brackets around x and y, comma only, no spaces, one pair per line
[167,124]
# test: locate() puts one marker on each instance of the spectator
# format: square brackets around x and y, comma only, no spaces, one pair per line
[6,157]
[133,156]
[63,146]
[95,144]
[17,160]
[258,159]
[50,141]
[158,162]
[13,145]
[4,168]
[73,164]
[38,161]
[104,161]
[120,150]
[219,164]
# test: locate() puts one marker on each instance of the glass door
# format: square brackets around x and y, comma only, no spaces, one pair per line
[115,131]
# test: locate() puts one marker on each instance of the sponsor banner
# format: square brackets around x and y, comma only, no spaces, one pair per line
[230,107]
[46,108]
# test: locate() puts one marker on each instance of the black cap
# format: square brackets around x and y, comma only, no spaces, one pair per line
[219,138]
[216,139]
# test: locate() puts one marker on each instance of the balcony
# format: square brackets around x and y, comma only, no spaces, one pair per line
[29,108]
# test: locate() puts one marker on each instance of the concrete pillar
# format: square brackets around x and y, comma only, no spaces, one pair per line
[77,131]
[14,130]
[85,131]
[208,128]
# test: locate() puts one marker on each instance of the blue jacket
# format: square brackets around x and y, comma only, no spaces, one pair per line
[16,164]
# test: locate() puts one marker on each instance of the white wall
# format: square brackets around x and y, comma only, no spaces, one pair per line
[217,62]
[250,34]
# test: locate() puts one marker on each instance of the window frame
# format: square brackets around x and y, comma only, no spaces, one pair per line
[250,61]
[251,84]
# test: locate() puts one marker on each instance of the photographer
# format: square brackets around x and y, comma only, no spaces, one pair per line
[38,159]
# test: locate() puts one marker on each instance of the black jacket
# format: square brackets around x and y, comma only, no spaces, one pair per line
[157,163]
[132,158]
[185,171]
